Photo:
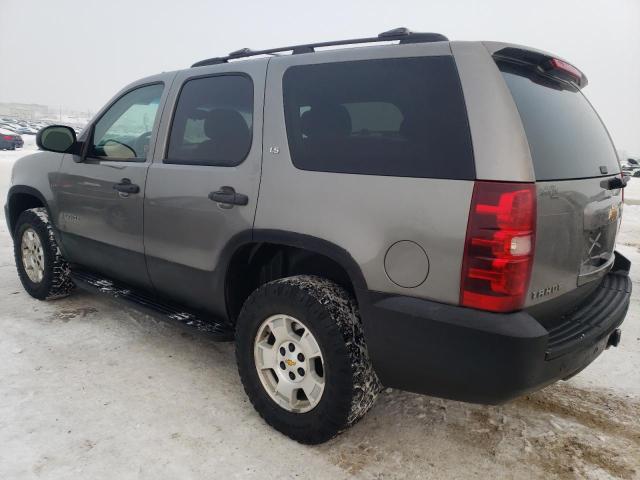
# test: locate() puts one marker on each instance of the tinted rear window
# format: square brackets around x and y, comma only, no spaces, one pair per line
[396,117]
[566,137]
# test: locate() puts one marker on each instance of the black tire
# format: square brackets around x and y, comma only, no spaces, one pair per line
[351,385]
[56,281]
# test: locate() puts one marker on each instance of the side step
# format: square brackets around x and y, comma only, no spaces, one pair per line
[217,331]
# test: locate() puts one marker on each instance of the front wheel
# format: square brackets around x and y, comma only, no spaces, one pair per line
[302,358]
[42,270]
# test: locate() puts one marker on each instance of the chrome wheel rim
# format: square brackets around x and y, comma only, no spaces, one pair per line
[289,363]
[32,255]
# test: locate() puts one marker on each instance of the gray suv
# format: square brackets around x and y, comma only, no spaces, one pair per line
[433,216]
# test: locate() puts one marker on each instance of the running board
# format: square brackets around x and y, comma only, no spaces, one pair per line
[173,313]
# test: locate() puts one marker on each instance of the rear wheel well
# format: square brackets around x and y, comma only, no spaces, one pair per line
[255,264]
[18,203]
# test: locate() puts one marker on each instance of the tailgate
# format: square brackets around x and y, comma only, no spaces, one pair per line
[579,198]
[576,230]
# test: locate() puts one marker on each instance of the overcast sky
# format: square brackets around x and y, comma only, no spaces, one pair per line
[78,53]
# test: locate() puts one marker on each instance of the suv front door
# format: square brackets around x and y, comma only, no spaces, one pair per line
[213,144]
[100,194]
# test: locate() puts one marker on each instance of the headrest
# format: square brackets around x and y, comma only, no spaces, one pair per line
[326,121]
[221,124]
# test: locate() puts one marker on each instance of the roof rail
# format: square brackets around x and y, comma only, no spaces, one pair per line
[404,35]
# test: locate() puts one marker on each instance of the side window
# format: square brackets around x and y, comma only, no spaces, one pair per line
[213,121]
[402,117]
[123,132]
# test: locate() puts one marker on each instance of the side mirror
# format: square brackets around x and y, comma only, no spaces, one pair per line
[57,138]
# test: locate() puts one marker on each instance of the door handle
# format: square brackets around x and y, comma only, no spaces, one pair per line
[125,186]
[228,196]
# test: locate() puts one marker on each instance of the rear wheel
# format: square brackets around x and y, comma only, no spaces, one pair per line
[42,270]
[302,358]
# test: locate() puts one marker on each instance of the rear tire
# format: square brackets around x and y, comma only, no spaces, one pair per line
[43,271]
[349,385]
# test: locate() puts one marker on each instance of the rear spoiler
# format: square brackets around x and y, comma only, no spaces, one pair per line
[544,63]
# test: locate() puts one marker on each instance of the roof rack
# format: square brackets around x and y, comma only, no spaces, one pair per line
[404,35]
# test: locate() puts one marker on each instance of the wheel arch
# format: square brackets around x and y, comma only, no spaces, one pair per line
[272,254]
[21,198]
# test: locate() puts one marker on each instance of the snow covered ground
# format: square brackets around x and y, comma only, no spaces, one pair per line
[92,389]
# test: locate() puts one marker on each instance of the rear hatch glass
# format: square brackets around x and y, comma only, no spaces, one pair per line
[573,160]
[566,137]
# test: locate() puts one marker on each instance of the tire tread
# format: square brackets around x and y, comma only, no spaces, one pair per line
[57,281]
[355,385]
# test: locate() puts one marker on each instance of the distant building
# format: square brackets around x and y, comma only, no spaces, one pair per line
[24,111]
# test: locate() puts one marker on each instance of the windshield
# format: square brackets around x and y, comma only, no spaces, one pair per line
[566,137]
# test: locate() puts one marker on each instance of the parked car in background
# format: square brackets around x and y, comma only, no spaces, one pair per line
[27,130]
[17,140]
[20,129]
[23,127]
[10,140]
[9,126]
[630,166]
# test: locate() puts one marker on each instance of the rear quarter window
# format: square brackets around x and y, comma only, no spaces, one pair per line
[394,117]
[566,137]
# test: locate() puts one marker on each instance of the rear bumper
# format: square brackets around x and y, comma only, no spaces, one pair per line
[483,357]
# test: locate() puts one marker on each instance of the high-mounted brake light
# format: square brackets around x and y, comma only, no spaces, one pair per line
[499,246]
[528,59]
[567,68]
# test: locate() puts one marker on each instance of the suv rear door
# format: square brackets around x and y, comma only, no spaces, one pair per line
[576,170]
[212,143]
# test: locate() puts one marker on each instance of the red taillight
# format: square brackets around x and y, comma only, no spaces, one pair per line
[8,137]
[499,246]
